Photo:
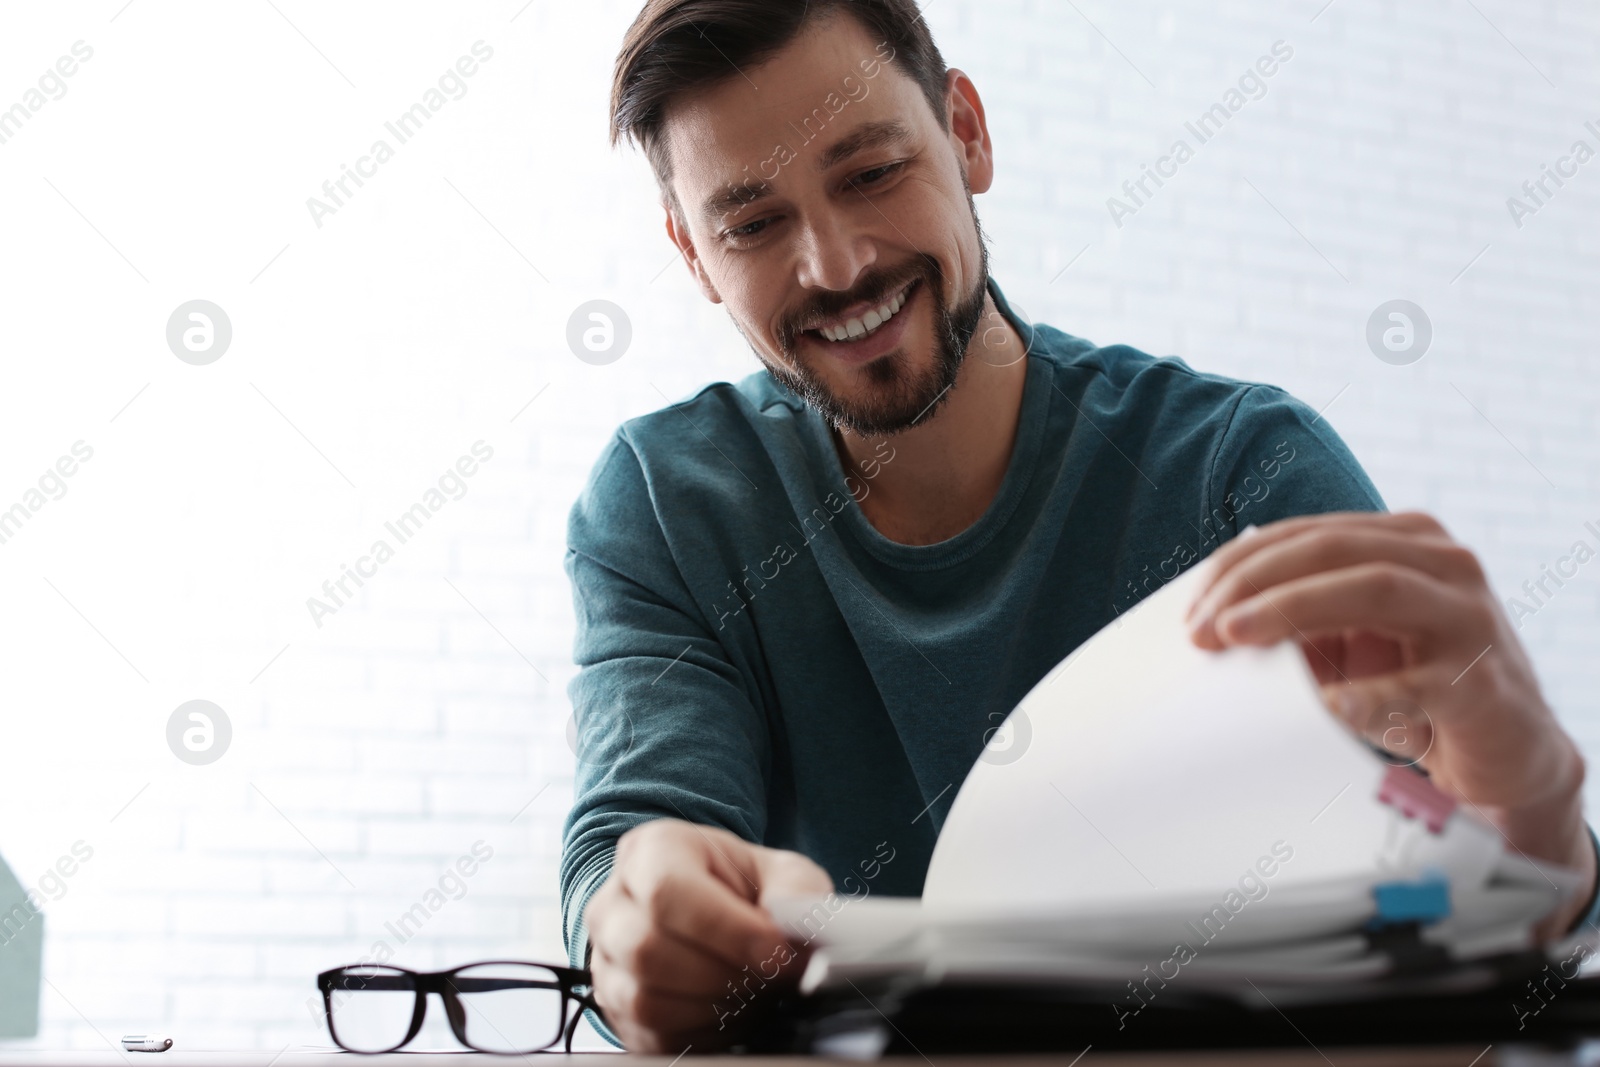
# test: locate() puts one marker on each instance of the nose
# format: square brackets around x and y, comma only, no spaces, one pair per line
[834,253]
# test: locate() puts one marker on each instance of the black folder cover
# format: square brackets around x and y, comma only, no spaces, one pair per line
[1522,1000]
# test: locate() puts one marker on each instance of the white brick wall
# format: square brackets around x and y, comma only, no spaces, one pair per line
[408,726]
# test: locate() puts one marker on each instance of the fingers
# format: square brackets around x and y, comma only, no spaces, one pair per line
[677,927]
[1326,547]
[660,961]
[1412,649]
[688,899]
[635,985]
[1381,598]
[1388,710]
[660,993]
[1221,562]
[1414,522]
[785,874]
[1415,714]
[649,1021]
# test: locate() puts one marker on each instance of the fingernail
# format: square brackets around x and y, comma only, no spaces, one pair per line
[1203,606]
[1241,623]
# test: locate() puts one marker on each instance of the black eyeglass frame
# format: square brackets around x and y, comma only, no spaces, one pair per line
[575,984]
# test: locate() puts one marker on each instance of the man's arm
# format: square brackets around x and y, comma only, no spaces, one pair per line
[661,880]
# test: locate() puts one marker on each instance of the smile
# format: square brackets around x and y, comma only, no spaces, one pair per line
[855,327]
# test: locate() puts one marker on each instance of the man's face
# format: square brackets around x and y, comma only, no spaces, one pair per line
[832,215]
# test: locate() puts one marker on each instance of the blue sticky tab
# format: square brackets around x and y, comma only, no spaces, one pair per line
[1426,901]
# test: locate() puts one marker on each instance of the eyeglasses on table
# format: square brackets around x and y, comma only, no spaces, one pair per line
[503,1006]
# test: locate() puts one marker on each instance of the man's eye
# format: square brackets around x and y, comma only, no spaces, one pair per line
[748,230]
[875,175]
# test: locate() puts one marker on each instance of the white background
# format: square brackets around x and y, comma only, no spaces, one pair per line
[430,312]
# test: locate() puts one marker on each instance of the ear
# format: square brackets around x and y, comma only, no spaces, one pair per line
[969,130]
[678,234]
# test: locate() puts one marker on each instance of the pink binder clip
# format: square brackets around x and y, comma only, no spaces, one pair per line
[1416,797]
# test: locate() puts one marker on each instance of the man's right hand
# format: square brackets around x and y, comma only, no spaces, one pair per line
[678,919]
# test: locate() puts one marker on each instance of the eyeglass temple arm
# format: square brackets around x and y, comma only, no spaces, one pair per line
[585,1001]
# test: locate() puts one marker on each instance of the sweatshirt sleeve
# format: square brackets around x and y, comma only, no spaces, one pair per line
[1279,459]
[666,727]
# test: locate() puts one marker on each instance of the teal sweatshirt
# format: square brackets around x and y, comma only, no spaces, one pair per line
[755,655]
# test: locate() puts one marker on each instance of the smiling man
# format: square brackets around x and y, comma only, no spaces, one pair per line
[806,600]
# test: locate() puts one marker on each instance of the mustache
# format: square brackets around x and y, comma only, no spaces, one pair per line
[875,288]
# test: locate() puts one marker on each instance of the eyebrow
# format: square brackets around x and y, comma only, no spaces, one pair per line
[736,197]
[878,134]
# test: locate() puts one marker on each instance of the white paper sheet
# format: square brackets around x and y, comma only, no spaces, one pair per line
[1157,768]
[1159,787]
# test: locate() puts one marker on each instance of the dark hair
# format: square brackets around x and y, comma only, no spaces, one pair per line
[679,45]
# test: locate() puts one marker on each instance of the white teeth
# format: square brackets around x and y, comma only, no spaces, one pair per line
[853,328]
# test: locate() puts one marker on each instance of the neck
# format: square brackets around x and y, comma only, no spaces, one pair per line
[930,482]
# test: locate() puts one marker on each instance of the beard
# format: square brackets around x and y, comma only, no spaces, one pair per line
[893,392]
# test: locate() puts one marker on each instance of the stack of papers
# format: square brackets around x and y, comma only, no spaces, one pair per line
[1161,813]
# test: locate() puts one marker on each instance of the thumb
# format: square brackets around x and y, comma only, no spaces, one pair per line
[782,873]
[1384,710]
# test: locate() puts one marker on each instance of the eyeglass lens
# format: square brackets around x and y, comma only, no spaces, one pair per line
[504,1007]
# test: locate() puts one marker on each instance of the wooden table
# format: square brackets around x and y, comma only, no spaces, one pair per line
[1433,1056]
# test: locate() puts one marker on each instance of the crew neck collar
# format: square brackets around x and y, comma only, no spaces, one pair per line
[1019,469]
